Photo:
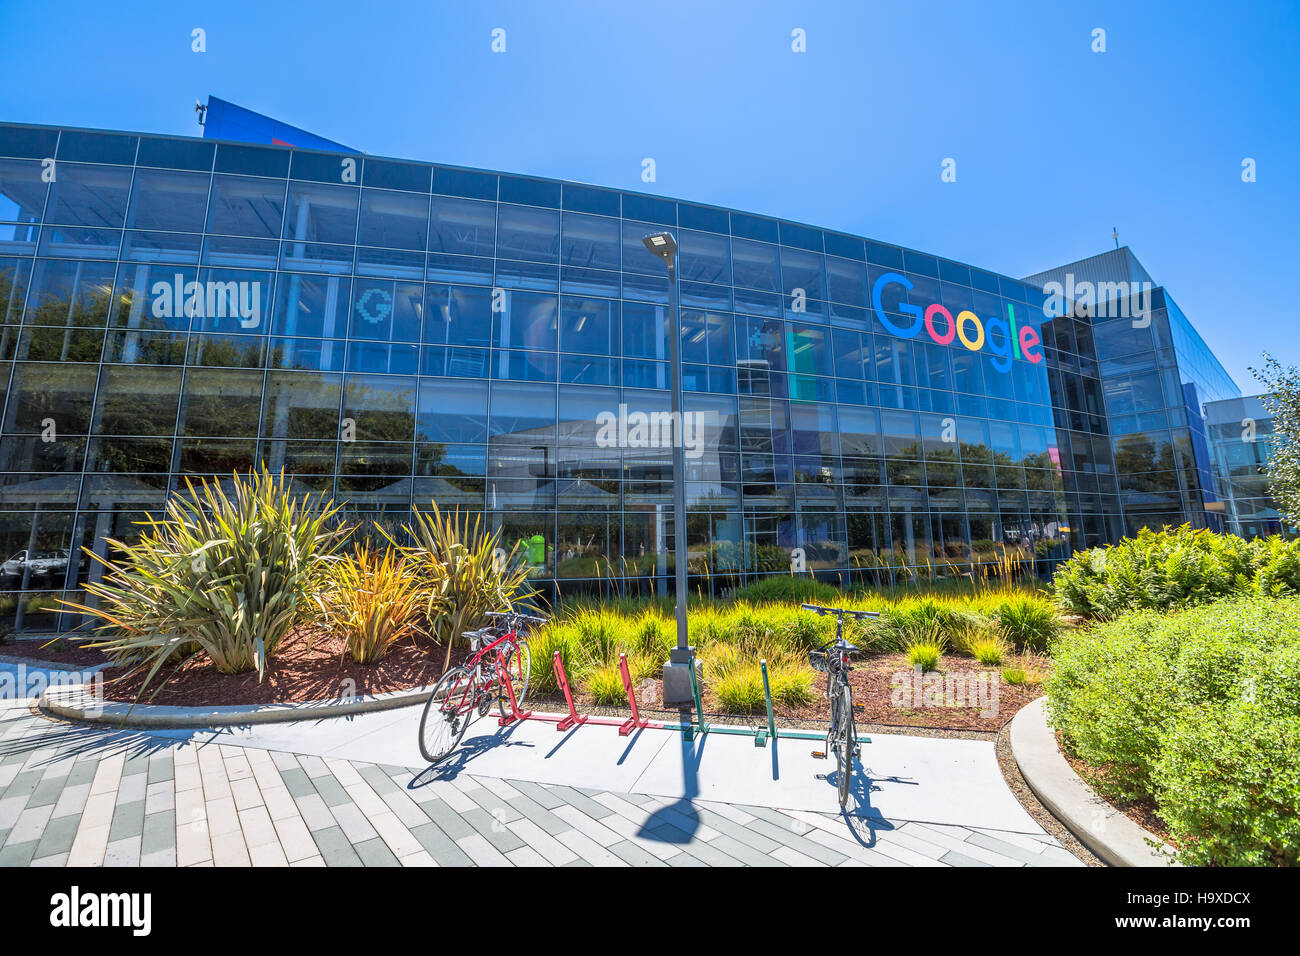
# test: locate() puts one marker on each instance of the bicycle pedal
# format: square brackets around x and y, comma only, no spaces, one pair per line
[819,754]
[859,706]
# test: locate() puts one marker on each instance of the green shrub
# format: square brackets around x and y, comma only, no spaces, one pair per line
[1027,621]
[225,574]
[1197,710]
[373,600]
[605,684]
[1175,568]
[988,650]
[542,645]
[741,691]
[925,652]
[789,589]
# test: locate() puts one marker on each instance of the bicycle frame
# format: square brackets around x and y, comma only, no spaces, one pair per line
[475,662]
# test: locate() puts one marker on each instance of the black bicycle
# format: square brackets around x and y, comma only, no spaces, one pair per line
[832,659]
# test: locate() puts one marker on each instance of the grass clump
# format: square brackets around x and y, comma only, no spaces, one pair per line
[925,651]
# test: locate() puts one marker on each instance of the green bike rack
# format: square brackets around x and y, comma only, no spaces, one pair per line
[761,735]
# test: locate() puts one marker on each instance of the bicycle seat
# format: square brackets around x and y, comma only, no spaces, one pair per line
[475,638]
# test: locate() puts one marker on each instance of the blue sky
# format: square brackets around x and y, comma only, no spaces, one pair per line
[1054,144]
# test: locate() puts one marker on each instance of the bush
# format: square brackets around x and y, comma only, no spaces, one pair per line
[225,574]
[1198,711]
[789,589]
[925,652]
[1175,568]
[373,600]
[1027,621]
[988,650]
[462,573]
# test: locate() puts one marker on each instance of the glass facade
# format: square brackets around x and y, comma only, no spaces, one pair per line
[394,332]
[1241,434]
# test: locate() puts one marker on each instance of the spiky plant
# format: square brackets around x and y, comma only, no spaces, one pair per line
[374,600]
[464,575]
[224,574]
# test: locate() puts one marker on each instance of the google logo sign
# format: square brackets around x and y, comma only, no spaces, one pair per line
[1003,340]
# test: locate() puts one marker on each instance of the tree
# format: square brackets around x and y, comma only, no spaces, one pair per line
[1283,403]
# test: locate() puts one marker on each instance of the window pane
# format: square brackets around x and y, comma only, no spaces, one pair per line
[453,410]
[528,233]
[311,305]
[89,195]
[169,201]
[393,220]
[527,321]
[457,315]
[320,213]
[246,207]
[463,227]
[138,400]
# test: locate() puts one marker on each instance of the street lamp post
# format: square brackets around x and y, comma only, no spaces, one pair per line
[677,672]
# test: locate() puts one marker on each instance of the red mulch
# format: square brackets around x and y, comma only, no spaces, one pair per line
[297,672]
[873,682]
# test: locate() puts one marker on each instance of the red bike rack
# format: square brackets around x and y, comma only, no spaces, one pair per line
[635,722]
[574,718]
[515,712]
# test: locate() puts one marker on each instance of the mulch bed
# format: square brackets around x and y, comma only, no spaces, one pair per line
[309,666]
[1142,812]
[873,682]
[299,672]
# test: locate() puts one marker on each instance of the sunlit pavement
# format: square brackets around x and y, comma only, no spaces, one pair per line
[355,792]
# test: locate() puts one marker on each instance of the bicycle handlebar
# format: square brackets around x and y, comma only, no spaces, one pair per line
[516,615]
[841,611]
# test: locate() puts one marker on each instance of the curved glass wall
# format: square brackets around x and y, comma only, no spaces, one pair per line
[393,333]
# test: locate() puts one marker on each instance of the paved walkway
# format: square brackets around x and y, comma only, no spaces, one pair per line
[326,793]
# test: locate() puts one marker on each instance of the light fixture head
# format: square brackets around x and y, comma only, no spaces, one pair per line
[661,244]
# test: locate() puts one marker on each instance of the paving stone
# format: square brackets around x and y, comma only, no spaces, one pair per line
[953,858]
[297,782]
[448,820]
[158,833]
[58,836]
[18,854]
[582,802]
[335,848]
[440,846]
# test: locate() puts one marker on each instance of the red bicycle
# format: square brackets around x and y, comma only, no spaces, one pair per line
[498,669]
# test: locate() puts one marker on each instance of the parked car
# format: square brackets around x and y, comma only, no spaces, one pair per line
[43,564]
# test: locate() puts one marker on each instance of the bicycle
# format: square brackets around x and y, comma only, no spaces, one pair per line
[499,666]
[832,659]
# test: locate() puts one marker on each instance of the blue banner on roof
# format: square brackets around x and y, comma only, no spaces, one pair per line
[225,120]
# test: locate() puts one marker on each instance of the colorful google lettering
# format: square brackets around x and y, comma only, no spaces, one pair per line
[973,332]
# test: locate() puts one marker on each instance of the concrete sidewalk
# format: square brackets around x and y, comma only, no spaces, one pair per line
[354,791]
[924,779]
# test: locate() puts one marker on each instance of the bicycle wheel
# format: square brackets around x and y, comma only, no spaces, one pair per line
[447,713]
[844,756]
[519,665]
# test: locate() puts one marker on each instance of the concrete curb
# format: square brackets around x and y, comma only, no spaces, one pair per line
[1102,829]
[76,704]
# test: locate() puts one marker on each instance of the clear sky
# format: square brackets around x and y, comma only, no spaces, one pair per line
[1054,144]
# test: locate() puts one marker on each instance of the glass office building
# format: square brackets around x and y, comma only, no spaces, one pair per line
[1241,433]
[392,333]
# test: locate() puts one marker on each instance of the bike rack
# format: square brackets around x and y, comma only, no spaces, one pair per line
[562,678]
[515,713]
[635,722]
[688,730]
